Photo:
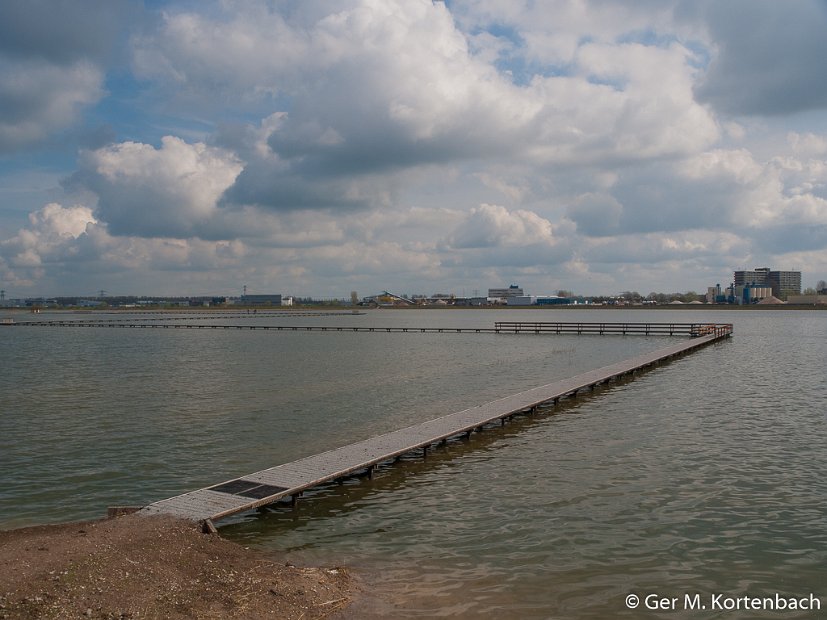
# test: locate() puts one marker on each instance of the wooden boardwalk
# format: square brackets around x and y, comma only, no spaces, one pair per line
[500,327]
[291,479]
[626,328]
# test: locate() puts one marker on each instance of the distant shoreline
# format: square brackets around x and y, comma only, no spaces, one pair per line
[361,309]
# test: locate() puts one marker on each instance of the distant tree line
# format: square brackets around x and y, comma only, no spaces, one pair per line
[633,297]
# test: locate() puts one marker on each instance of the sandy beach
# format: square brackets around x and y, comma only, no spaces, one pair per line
[156,567]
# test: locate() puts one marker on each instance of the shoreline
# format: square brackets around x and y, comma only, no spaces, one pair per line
[136,566]
[15,311]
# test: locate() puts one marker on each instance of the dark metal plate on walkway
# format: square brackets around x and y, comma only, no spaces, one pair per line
[246,488]
[235,487]
[263,490]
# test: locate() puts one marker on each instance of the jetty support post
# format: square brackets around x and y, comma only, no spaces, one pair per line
[208,527]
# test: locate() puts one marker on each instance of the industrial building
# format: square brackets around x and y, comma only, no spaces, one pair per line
[504,293]
[782,283]
[261,300]
[538,300]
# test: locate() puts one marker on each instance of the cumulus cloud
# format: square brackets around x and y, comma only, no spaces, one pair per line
[415,141]
[380,88]
[62,242]
[491,235]
[550,33]
[171,191]
[51,237]
[489,226]
[807,144]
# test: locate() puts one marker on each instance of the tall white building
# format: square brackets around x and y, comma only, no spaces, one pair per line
[505,293]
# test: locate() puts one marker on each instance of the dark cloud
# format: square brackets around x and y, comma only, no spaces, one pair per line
[64,31]
[651,205]
[667,197]
[785,238]
[53,57]
[537,256]
[771,57]
[596,215]
[38,98]
[262,184]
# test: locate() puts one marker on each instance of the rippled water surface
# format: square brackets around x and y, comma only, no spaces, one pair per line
[705,475]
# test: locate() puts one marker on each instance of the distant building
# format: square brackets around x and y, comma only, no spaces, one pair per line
[714,294]
[808,299]
[261,300]
[782,283]
[757,276]
[752,294]
[537,300]
[785,283]
[504,293]
[521,300]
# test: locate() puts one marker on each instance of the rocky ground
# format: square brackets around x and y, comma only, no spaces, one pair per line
[156,567]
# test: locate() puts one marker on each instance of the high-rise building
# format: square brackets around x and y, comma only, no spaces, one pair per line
[783,283]
[758,277]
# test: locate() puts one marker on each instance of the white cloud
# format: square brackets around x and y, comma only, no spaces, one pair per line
[171,191]
[560,144]
[489,226]
[57,221]
[380,87]
[51,238]
[807,144]
[551,33]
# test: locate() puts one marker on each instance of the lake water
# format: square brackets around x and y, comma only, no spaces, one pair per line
[704,476]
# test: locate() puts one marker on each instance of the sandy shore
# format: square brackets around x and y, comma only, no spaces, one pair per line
[156,567]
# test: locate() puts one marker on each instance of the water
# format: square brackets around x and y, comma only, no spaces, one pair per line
[704,476]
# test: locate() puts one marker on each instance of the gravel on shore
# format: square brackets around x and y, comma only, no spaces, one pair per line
[156,567]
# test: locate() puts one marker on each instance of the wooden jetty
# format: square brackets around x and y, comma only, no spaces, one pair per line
[647,329]
[501,327]
[289,480]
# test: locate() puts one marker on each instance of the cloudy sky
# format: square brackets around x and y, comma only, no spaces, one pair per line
[313,148]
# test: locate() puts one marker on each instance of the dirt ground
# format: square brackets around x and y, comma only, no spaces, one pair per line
[156,567]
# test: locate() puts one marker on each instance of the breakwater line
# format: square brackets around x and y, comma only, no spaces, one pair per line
[290,480]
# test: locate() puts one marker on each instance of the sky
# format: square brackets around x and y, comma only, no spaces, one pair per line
[313,148]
